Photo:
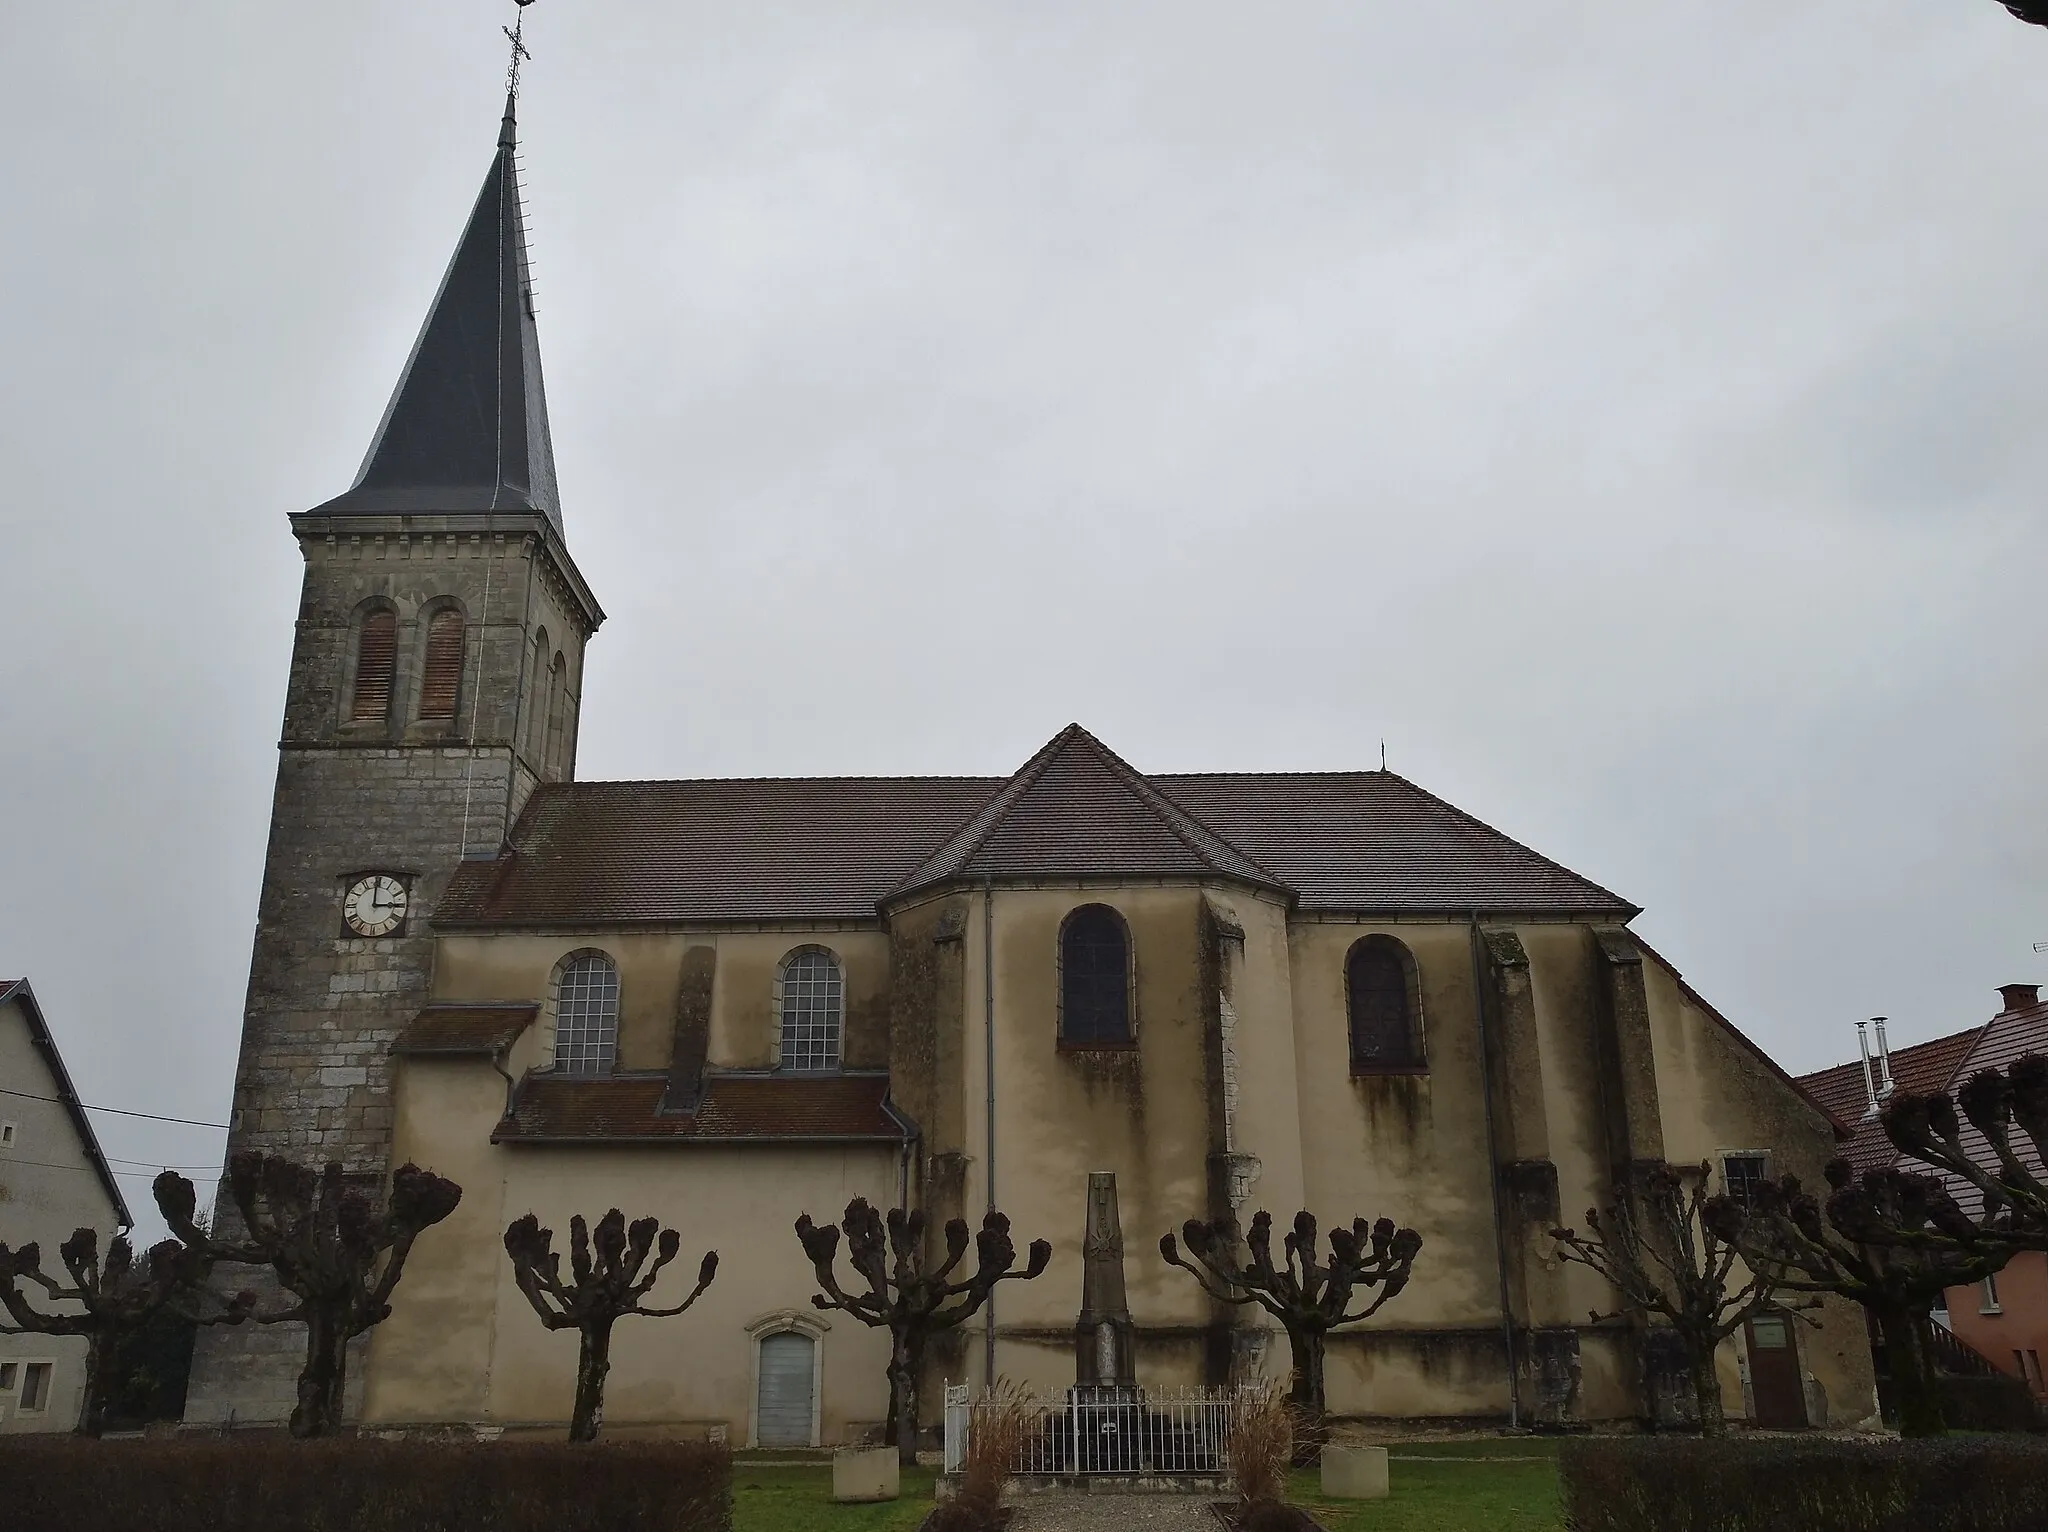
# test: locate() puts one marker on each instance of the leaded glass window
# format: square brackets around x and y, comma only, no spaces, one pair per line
[1384,1029]
[587,1016]
[813,1011]
[1095,978]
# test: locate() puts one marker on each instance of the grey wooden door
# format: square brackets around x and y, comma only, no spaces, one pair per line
[782,1412]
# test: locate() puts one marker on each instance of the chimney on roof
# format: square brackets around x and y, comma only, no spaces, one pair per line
[1884,1060]
[2019,997]
[1869,1080]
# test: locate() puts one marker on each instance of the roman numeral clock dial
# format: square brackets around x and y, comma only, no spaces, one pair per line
[374,905]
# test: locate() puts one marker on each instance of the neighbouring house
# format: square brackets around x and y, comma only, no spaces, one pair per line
[727,1003]
[2004,1319]
[53,1180]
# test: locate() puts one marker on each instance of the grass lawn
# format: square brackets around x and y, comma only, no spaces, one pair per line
[1472,1485]
[800,1500]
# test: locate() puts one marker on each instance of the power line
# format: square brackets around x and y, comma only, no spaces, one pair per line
[84,1169]
[189,1122]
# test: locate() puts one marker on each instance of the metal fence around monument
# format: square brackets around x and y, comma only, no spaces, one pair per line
[1106,1430]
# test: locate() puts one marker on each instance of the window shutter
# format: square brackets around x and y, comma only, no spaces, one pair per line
[442,683]
[376,660]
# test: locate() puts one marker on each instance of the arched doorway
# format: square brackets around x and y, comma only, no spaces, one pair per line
[785,1395]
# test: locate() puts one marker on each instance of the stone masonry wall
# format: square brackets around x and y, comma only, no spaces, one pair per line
[393,796]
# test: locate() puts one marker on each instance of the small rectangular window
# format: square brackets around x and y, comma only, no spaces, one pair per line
[35,1386]
[1990,1297]
[6,1135]
[6,1377]
[1742,1174]
[2030,1369]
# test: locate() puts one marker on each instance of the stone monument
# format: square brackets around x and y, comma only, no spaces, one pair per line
[1104,1352]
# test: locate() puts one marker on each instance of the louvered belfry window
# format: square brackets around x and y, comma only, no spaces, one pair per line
[441,684]
[1095,978]
[376,664]
[1384,1034]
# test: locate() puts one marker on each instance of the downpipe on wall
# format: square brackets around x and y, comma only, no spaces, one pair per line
[1500,1237]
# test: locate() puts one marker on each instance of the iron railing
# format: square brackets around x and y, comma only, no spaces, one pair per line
[1106,1430]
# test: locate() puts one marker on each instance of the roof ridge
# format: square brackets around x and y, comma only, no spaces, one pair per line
[966,842]
[1151,790]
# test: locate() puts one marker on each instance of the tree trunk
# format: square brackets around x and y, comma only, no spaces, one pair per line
[325,1377]
[1706,1389]
[906,1361]
[1910,1361]
[593,1361]
[100,1361]
[1305,1394]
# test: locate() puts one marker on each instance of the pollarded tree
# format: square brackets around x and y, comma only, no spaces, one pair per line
[1889,1240]
[331,1249]
[1665,1259]
[1308,1296]
[912,1304]
[115,1301]
[608,1276]
[2013,1199]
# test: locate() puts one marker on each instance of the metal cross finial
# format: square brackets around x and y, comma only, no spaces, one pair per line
[519,54]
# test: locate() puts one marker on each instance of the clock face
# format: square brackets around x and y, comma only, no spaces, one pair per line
[375,905]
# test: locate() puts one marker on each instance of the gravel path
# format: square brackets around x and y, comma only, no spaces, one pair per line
[1114,1513]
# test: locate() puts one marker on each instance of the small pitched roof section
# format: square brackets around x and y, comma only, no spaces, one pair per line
[736,1109]
[1999,1044]
[450,1030]
[1371,840]
[1076,809]
[467,427]
[1929,1066]
[18,990]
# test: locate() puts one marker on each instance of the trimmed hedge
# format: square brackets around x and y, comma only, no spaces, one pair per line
[1664,1484]
[273,1484]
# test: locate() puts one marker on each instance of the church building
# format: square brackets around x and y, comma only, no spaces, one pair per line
[727,1003]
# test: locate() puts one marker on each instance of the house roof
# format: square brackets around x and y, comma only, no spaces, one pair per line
[18,990]
[467,426]
[595,854]
[463,1029]
[735,1108]
[2000,1043]
[1929,1066]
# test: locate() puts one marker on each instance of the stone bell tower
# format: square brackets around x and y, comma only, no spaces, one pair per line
[436,674]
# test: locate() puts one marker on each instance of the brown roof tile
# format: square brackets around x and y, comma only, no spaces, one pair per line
[1076,809]
[464,1028]
[735,1109]
[594,854]
[1929,1066]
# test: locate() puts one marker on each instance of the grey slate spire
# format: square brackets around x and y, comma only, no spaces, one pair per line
[467,428]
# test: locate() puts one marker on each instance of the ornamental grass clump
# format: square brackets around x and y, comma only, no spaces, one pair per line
[1261,1445]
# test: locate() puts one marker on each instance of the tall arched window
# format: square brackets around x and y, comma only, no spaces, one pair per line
[1379,994]
[587,1015]
[376,666]
[558,701]
[1095,978]
[441,677]
[813,1010]
[536,721]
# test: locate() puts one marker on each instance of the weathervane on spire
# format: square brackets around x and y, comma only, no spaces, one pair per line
[519,54]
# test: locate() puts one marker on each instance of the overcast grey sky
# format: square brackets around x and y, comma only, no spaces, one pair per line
[1629,412]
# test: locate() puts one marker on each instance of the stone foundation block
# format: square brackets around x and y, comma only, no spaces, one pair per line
[862,1474]
[1354,1473]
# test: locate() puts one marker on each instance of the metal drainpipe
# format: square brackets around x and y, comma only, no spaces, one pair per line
[988,1059]
[1500,1239]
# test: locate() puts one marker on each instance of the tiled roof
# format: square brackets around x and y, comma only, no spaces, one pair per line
[1929,1066]
[1369,840]
[1076,810]
[2009,1037]
[463,1029]
[594,854]
[736,1108]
